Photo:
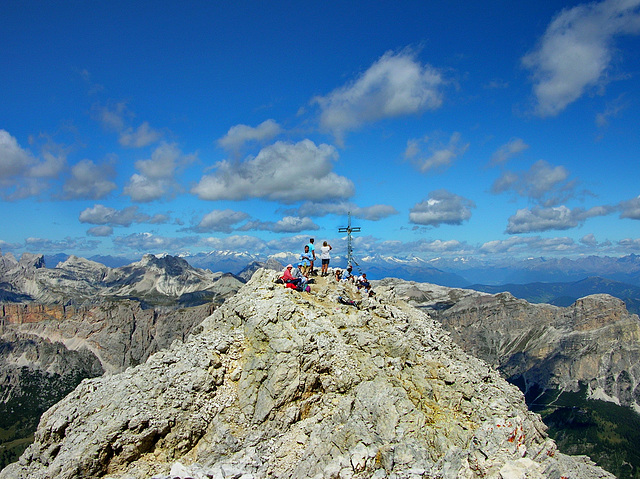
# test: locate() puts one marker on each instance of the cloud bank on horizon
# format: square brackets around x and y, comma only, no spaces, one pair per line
[253,129]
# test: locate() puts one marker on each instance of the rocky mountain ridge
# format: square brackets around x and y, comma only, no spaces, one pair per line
[46,350]
[159,281]
[578,365]
[277,383]
[595,342]
[450,271]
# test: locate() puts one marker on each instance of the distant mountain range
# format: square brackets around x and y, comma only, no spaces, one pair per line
[625,269]
[154,281]
[452,272]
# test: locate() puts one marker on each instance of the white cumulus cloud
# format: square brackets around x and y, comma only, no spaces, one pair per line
[343,208]
[555,218]
[100,231]
[90,181]
[116,117]
[238,135]
[630,209]
[21,173]
[547,184]
[577,50]
[441,207]
[220,220]
[395,85]
[519,244]
[104,215]
[142,136]
[507,151]
[282,172]
[430,155]
[157,177]
[14,160]
[288,224]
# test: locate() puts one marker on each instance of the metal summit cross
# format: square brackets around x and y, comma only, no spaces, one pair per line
[349,230]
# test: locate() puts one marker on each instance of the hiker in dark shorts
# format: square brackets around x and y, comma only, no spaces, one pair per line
[325,257]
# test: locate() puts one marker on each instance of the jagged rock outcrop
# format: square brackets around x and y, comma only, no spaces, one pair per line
[159,281]
[426,295]
[278,383]
[271,263]
[595,342]
[7,262]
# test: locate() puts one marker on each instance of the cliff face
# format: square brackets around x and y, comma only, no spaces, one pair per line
[594,343]
[46,350]
[277,383]
[19,313]
[119,334]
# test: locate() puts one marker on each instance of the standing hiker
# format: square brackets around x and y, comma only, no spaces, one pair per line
[325,257]
[312,250]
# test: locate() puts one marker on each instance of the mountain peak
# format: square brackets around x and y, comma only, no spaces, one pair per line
[278,383]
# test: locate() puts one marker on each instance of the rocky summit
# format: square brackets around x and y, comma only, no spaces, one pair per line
[287,384]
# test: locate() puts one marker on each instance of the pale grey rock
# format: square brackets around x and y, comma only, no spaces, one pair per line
[163,280]
[46,351]
[426,295]
[271,263]
[594,343]
[168,275]
[277,383]
[7,262]
[27,360]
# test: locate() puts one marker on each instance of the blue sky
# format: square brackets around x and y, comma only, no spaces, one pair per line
[488,130]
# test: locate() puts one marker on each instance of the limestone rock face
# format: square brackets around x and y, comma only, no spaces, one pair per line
[46,350]
[120,334]
[277,383]
[271,263]
[434,297]
[594,342]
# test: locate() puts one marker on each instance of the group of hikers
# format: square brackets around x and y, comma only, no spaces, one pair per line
[361,282]
[308,258]
[300,277]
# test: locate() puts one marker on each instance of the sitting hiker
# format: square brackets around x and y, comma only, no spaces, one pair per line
[288,277]
[363,282]
[347,276]
[298,275]
[338,274]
